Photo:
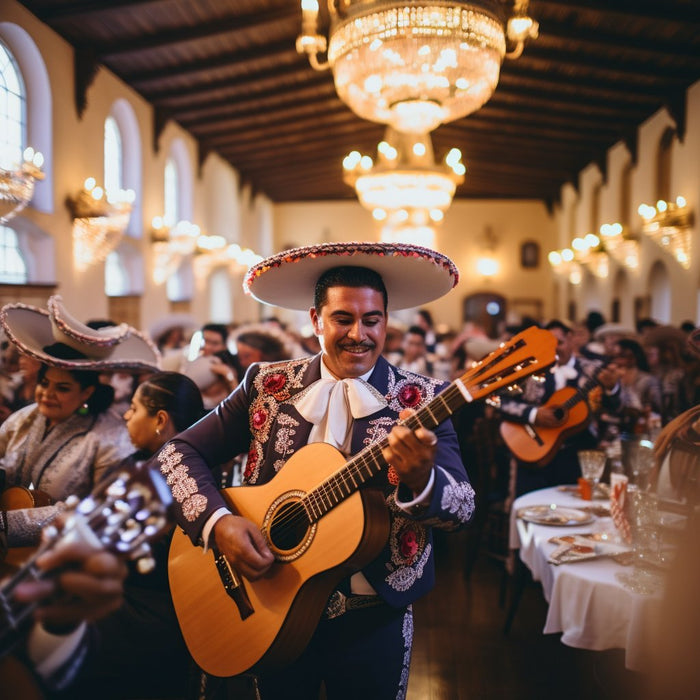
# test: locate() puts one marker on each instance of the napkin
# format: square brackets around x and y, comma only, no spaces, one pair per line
[618,490]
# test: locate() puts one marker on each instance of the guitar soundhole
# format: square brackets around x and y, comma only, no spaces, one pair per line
[289,526]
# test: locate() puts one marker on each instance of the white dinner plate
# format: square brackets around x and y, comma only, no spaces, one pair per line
[552,514]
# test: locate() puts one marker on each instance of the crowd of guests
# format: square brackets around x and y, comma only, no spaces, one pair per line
[69,419]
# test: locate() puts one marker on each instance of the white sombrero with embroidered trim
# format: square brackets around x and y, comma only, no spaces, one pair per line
[412,275]
[120,347]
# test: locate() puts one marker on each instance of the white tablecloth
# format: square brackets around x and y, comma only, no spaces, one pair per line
[587,604]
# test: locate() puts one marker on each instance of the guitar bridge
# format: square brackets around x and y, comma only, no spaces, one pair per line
[534,434]
[234,587]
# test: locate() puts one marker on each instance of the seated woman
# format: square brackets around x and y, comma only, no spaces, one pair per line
[62,444]
[140,651]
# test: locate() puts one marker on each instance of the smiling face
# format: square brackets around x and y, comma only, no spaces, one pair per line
[352,327]
[59,395]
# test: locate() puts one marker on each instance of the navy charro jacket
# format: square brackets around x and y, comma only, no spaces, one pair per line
[259,417]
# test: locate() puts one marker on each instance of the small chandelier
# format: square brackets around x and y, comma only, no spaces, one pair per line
[17,184]
[99,221]
[405,176]
[563,262]
[668,224]
[414,66]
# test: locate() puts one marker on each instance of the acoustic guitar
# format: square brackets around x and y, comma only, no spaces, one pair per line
[320,524]
[124,516]
[536,445]
[18,498]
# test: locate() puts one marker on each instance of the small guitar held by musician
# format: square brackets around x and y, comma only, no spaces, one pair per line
[123,515]
[537,445]
[321,525]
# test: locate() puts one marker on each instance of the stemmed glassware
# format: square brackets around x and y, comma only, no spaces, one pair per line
[592,464]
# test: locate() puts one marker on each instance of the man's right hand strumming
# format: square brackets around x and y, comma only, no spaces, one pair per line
[241,541]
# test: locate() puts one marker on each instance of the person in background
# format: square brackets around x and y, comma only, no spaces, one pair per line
[349,396]
[424,320]
[62,444]
[259,344]
[140,651]
[537,407]
[415,352]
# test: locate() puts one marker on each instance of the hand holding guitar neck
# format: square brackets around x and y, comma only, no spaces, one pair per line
[77,556]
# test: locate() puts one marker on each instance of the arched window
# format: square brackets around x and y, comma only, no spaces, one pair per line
[663,165]
[171,197]
[114,178]
[13,269]
[13,110]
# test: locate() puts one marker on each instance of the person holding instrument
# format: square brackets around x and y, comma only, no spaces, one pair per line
[350,397]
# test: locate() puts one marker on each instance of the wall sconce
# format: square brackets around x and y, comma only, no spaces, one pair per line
[668,224]
[563,263]
[17,184]
[173,244]
[589,251]
[99,221]
[621,244]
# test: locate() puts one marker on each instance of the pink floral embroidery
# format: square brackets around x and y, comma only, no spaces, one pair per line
[408,544]
[392,476]
[250,464]
[274,384]
[410,396]
[259,418]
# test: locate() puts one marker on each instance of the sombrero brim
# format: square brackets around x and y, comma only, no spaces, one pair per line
[413,275]
[30,329]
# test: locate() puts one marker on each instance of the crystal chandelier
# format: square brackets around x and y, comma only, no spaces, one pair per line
[621,244]
[99,221]
[669,225]
[414,65]
[17,184]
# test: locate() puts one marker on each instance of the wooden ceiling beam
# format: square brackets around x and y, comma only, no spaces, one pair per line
[236,24]
[70,10]
[281,97]
[635,9]
[240,60]
[262,81]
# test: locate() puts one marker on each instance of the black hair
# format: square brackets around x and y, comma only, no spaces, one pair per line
[687,326]
[417,330]
[556,323]
[219,328]
[594,319]
[644,323]
[103,395]
[636,349]
[272,348]
[348,276]
[426,316]
[99,323]
[175,394]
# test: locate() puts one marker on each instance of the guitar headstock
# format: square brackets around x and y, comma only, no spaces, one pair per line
[124,515]
[528,352]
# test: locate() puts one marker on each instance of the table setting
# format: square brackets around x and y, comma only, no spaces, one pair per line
[600,552]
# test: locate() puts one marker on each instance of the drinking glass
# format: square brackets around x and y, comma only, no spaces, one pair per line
[592,464]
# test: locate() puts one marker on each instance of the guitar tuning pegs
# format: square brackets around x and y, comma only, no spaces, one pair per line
[72,502]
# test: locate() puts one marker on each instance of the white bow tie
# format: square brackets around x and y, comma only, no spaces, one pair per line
[332,404]
[562,373]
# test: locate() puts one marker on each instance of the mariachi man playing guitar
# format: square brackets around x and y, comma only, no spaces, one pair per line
[348,396]
[551,421]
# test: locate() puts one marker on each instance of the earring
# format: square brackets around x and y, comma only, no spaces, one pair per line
[84,409]
[158,431]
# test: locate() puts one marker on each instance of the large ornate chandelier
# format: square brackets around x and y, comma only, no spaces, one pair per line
[17,184]
[414,65]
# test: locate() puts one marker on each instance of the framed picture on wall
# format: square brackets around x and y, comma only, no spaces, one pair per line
[530,254]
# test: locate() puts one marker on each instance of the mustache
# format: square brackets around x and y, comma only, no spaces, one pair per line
[365,345]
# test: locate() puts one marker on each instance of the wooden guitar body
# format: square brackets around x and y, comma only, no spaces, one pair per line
[536,445]
[18,498]
[289,600]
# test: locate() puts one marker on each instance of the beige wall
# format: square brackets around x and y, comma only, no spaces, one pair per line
[461,237]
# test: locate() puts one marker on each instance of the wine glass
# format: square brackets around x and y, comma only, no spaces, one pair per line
[592,464]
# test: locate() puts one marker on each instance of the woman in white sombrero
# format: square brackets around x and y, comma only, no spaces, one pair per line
[61,444]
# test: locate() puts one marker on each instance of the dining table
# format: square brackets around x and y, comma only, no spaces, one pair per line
[590,602]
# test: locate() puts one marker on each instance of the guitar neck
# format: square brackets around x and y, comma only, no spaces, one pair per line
[582,392]
[502,368]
